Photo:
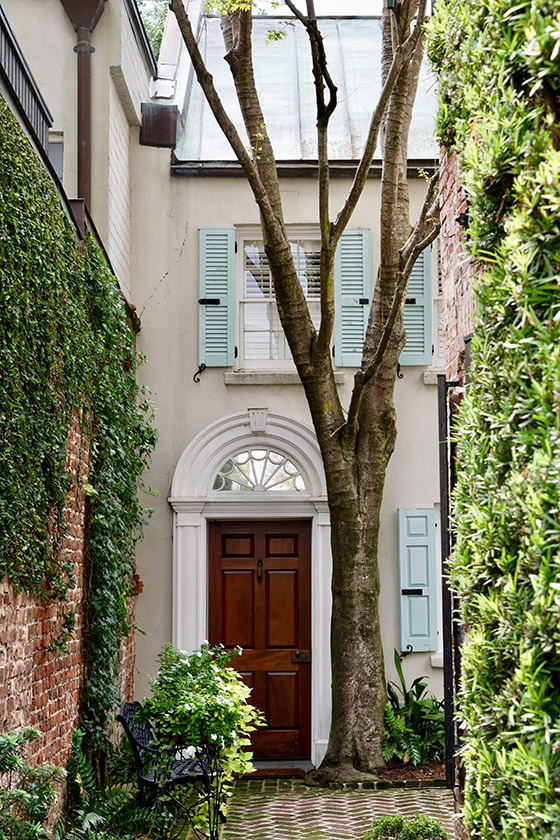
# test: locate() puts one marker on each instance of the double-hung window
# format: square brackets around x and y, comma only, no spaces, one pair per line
[239,325]
[262,343]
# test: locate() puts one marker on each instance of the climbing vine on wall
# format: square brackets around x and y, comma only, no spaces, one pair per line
[66,353]
[499,72]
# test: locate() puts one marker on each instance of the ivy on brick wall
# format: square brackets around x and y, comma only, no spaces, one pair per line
[499,73]
[66,353]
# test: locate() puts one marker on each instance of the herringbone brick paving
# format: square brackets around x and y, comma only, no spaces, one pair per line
[281,809]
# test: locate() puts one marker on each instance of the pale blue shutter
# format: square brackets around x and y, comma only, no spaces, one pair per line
[417,314]
[417,576]
[216,297]
[352,286]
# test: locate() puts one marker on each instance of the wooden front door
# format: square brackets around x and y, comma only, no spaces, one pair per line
[260,599]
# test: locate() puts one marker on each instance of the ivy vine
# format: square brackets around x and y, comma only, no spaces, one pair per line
[67,353]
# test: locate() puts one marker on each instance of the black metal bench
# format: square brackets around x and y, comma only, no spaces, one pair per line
[161,773]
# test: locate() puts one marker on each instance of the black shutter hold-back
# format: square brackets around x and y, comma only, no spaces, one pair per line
[201,369]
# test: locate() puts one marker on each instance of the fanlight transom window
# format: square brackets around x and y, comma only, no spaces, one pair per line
[260,470]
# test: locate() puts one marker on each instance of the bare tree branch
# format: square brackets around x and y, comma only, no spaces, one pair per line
[310,23]
[401,55]
[426,215]
[237,31]
[207,84]
[322,77]
[362,377]
[429,237]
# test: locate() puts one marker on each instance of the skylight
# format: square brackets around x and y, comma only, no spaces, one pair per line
[359,8]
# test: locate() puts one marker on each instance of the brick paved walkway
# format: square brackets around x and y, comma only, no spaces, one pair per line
[278,809]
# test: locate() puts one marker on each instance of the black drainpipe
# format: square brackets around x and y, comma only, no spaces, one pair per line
[447,600]
[84,15]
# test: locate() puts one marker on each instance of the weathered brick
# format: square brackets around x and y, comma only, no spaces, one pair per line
[42,688]
[457,270]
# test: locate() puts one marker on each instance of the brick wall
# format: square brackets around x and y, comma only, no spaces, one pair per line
[457,271]
[127,659]
[41,687]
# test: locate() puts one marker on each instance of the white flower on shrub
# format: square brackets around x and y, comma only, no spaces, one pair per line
[189,752]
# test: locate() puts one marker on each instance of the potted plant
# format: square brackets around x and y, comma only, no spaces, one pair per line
[200,704]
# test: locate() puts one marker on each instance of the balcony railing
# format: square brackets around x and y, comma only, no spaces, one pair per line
[18,76]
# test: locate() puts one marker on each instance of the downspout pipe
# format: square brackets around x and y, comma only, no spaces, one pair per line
[84,16]
[84,49]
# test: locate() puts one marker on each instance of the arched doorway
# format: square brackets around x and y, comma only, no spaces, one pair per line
[261,468]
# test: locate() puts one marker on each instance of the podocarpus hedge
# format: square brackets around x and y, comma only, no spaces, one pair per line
[66,352]
[499,74]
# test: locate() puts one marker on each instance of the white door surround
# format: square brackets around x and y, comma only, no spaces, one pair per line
[194,503]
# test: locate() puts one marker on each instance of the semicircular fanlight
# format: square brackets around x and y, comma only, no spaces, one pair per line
[259,470]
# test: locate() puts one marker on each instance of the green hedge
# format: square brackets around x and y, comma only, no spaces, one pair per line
[499,74]
[66,352]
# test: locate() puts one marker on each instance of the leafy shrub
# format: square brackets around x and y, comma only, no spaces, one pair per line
[397,827]
[414,721]
[198,699]
[26,792]
[499,81]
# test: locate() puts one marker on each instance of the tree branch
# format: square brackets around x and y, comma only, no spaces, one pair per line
[428,212]
[237,31]
[310,23]
[401,55]
[207,84]
[421,244]
[321,77]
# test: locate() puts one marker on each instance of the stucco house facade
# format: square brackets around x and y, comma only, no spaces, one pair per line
[237,549]
[228,432]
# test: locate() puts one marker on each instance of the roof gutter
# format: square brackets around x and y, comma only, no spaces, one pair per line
[292,168]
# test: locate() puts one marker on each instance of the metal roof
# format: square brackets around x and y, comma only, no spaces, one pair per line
[285,85]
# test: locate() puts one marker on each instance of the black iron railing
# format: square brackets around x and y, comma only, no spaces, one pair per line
[20,79]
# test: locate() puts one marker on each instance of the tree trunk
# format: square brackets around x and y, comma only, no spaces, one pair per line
[356,444]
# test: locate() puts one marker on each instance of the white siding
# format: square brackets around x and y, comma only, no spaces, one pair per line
[119,193]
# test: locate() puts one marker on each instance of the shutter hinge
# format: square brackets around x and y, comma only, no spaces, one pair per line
[235,248]
[433,349]
[364,301]
[410,300]
[333,350]
[235,352]
[209,301]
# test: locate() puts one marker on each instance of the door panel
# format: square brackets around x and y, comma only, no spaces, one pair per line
[237,625]
[281,609]
[260,599]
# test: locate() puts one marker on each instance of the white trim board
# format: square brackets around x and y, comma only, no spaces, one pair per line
[195,504]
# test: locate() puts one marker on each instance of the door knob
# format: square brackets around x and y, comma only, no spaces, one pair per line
[301,656]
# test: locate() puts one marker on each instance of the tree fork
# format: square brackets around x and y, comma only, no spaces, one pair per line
[356,452]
